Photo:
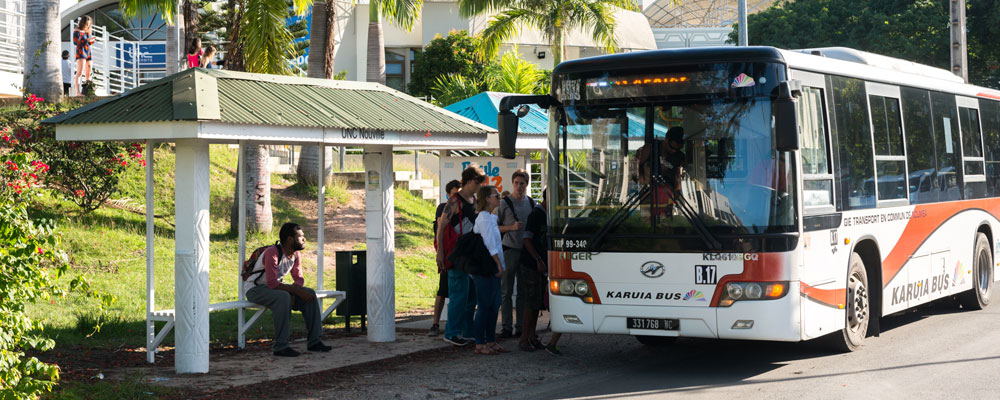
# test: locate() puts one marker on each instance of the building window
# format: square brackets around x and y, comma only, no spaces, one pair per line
[395,76]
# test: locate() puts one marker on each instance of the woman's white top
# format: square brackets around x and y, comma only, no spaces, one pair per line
[486,226]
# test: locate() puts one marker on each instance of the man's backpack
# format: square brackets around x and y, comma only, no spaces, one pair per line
[450,238]
[251,262]
[510,207]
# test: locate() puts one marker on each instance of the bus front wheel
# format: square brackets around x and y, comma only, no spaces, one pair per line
[656,341]
[858,309]
[982,276]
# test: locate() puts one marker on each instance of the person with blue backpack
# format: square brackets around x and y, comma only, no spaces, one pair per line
[264,286]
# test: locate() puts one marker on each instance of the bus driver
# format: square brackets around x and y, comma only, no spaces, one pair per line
[668,178]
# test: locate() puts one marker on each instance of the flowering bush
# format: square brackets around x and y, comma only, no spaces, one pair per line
[86,173]
[32,264]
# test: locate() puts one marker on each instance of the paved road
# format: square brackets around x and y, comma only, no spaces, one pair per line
[935,352]
[938,351]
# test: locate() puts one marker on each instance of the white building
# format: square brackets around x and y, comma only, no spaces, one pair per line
[438,17]
[696,23]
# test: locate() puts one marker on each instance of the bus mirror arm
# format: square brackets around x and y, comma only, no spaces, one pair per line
[786,126]
[507,121]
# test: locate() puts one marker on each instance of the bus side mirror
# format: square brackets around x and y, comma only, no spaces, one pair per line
[786,125]
[507,129]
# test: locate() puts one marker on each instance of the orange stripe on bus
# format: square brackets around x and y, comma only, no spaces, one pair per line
[832,297]
[918,229]
[989,95]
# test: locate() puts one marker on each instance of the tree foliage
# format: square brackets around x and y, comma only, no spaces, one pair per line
[452,54]
[511,74]
[914,30]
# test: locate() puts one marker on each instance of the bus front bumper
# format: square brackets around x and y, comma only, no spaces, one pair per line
[777,320]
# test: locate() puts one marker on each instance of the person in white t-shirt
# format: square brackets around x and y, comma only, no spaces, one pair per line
[67,73]
[268,290]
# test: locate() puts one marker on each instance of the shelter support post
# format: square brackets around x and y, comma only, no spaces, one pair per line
[242,221]
[321,221]
[381,243]
[150,265]
[191,256]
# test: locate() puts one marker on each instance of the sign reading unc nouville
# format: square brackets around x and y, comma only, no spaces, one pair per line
[363,134]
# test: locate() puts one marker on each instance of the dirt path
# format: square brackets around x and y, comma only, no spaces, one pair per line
[344,223]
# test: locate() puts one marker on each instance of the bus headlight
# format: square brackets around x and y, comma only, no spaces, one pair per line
[742,291]
[571,287]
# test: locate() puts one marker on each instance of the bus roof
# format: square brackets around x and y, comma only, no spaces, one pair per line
[830,60]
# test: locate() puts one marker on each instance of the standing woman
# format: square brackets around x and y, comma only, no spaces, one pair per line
[82,40]
[206,61]
[488,286]
[194,53]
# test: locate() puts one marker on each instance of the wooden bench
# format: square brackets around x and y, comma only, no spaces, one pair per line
[153,341]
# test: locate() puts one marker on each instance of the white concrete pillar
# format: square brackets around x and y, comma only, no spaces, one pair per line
[191,198]
[381,243]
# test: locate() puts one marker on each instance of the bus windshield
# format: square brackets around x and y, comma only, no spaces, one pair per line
[631,171]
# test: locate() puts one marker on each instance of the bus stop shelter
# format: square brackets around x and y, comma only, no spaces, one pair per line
[198,107]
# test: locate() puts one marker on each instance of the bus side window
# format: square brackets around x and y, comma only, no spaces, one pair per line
[919,145]
[946,146]
[972,152]
[991,144]
[817,177]
[856,172]
[890,160]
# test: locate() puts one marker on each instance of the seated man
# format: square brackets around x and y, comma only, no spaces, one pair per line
[268,290]
[668,176]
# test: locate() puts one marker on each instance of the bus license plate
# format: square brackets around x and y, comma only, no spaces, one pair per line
[653,323]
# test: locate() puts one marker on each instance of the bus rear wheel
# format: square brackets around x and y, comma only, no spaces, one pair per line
[982,276]
[858,308]
[656,341]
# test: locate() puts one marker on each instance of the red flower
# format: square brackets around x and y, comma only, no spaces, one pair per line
[40,251]
[80,193]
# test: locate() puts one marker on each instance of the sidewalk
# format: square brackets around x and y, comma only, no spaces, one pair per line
[256,364]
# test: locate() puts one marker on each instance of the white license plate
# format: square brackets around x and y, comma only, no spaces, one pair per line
[653,323]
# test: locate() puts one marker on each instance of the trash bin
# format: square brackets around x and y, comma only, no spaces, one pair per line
[352,278]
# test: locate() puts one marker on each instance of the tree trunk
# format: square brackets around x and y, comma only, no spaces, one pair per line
[376,48]
[321,53]
[173,48]
[234,55]
[257,191]
[42,66]
[191,19]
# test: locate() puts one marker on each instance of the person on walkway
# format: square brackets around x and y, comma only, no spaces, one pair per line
[532,273]
[84,61]
[281,298]
[206,60]
[194,53]
[512,214]
[458,216]
[442,293]
[488,284]
[67,73]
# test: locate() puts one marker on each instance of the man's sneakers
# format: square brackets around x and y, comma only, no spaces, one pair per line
[287,352]
[290,352]
[552,349]
[434,331]
[457,341]
[505,334]
[320,347]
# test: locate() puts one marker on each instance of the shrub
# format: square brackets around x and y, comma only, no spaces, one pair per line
[86,173]
[453,54]
[32,264]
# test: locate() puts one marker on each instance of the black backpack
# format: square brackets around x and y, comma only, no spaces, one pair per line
[510,206]
[251,262]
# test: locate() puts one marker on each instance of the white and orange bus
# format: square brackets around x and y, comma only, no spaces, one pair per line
[819,191]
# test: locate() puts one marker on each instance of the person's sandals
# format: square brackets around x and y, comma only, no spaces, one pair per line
[499,349]
[484,350]
[526,346]
[537,344]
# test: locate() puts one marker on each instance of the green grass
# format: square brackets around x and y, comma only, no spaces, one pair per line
[131,387]
[108,247]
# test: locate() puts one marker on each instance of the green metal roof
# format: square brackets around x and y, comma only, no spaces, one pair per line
[257,99]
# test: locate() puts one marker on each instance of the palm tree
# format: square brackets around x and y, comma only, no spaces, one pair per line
[262,42]
[41,50]
[517,75]
[553,18]
[403,13]
[321,55]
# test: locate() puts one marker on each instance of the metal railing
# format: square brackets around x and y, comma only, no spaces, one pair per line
[12,21]
[115,66]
